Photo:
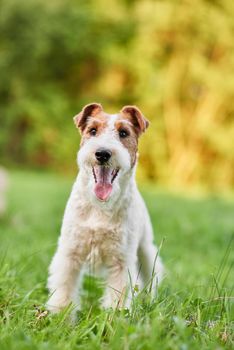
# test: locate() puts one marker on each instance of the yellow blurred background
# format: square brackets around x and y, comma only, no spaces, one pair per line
[173,59]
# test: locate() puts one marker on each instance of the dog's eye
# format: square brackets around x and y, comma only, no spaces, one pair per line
[93,131]
[123,133]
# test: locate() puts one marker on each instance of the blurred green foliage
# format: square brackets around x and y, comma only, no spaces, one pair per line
[173,58]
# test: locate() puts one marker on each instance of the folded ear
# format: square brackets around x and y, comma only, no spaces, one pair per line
[88,111]
[137,118]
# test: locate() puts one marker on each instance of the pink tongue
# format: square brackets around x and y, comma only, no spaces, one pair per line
[103,186]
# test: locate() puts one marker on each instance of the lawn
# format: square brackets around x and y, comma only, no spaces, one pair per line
[193,309]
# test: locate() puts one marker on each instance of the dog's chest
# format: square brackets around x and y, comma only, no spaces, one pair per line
[102,238]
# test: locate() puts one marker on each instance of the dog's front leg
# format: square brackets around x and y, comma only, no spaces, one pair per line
[116,287]
[151,266]
[63,275]
[121,279]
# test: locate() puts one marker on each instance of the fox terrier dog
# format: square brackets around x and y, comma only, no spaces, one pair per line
[106,223]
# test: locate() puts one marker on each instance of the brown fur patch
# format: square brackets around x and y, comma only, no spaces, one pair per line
[91,109]
[134,115]
[131,141]
[98,122]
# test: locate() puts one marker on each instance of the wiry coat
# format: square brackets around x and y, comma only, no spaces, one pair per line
[114,233]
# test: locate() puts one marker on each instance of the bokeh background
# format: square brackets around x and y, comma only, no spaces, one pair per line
[174,59]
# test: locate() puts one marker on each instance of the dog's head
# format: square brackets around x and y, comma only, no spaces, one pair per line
[108,149]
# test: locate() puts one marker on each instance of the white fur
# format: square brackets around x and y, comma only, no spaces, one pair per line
[116,235]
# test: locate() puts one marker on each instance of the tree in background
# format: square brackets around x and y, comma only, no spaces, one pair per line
[174,59]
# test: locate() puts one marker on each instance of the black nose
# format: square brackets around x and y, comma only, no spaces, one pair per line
[103,155]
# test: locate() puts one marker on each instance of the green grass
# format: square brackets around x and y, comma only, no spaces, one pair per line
[192,311]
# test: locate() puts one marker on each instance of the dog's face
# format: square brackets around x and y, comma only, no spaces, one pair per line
[108,149]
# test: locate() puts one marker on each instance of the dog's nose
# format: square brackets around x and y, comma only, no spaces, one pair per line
[103,155]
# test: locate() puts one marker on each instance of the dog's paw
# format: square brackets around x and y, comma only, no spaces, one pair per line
[56,304]
[107,302]
[110,301]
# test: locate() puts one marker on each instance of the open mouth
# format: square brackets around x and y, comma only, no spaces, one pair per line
[104,178]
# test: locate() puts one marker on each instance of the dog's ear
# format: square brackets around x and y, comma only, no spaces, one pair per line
[88,111]
[137,118]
